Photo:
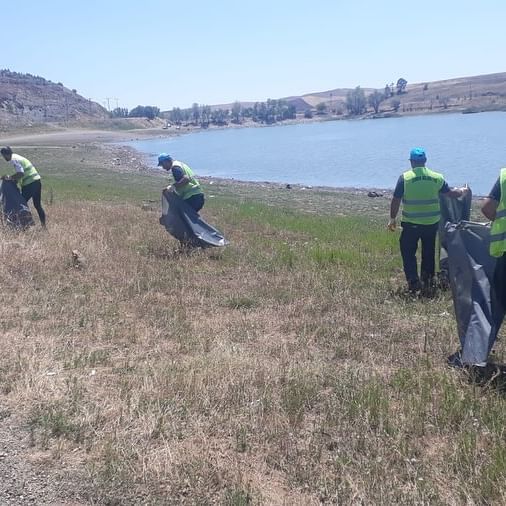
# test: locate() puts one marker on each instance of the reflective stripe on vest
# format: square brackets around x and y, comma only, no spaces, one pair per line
[498,231]
[420,202]
[192,187]
[30,174]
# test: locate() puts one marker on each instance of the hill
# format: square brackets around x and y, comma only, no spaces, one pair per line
[27,100]
[467,94]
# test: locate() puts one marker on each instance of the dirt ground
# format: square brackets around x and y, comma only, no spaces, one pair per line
[24,478]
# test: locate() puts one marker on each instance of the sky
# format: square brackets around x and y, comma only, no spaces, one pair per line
[174,53]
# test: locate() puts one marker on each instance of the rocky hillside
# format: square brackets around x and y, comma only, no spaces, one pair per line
[27,100]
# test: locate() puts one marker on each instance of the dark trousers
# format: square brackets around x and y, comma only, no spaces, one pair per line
[410,236]
[34,191]
[499,291]
[196,201]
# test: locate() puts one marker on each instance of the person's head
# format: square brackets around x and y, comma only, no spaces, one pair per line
[165,161]
[417,157]
[6,153]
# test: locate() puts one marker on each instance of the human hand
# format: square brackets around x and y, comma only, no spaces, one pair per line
[392,225]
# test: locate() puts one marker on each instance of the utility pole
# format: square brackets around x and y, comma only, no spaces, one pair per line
[111,98]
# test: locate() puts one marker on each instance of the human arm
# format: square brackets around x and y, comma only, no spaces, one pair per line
[491,203]
[180,178]
[19,171]
[395,203]
[489,208]
[453,193]
[182,181]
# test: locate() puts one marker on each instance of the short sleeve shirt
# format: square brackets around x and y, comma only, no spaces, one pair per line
[399,188]
[177,172]
[495,193]
[17,165]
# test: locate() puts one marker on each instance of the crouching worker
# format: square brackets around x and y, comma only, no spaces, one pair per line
[29,178]
[185,185]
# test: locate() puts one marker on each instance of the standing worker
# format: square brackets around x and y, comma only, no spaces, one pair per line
[419,190]
[26,173]
[494,208]
[185,185]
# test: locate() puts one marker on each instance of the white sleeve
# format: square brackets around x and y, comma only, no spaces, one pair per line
[18,166]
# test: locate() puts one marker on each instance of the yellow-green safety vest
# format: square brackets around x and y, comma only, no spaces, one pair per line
[498,231]
[420,202]
[30,172]
[192,187]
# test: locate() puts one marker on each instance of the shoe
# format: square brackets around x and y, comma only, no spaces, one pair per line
[455,360]
[414,286]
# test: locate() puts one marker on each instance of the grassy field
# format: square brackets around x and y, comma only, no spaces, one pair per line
[288,368]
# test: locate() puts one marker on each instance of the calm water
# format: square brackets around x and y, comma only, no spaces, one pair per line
[466,148]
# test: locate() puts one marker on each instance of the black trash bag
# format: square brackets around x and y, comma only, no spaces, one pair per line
[471,271]
[186,225]
[15,211]
[452,211]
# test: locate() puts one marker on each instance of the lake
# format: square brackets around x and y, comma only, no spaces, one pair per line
[466,148]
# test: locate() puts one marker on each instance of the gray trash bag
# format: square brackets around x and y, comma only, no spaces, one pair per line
[15,211]
[186,225]
[452,211]
[471,271]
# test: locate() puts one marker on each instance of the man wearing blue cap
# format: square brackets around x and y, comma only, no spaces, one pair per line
[185,185]
[419,190]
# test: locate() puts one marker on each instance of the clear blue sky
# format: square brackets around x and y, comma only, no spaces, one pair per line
[176,52]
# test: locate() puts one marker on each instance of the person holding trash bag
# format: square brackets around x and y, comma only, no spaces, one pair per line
[185,184]
[28,177]
[419,189]
[494,208]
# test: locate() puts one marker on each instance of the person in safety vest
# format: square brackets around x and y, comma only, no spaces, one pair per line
[28,177]
[419,189]
[185,185]
[494,208]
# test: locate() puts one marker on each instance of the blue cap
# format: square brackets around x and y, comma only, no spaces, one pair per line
[163,157]
[417,155]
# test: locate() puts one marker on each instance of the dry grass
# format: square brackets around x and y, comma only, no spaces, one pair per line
[285,369]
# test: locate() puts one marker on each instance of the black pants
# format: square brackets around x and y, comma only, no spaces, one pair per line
[34,191]
[196,201]
[499,291]
[410,236]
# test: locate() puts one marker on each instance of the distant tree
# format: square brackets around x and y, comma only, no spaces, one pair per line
[288,112]
[355,101]
[401,85]
[444,101]
[195,113]
[388,91]
[205,115]
[219,116]
[321,108]
[308,114]
[176,116]
[396,103]
[236,112]
[144,111]
[375,99]
[119,112]
[425,86]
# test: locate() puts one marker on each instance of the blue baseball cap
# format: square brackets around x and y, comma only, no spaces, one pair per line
[163,157]
[417,155]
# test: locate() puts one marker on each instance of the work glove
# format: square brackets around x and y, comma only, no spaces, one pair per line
[391,225]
